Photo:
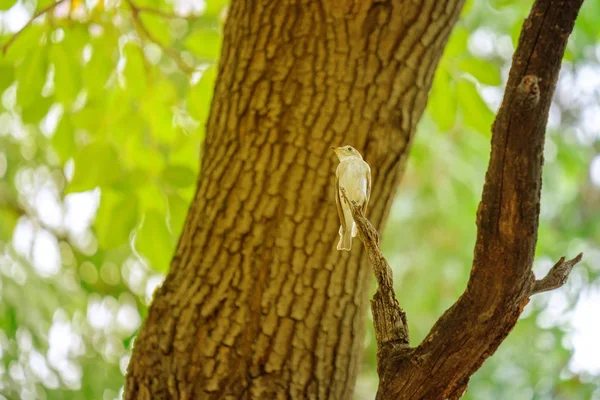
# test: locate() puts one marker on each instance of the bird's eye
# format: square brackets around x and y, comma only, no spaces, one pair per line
[349,148]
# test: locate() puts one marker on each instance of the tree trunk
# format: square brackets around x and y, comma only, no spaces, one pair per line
[258,303]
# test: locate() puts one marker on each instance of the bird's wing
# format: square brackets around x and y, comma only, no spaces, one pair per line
[338,202]
[368,173]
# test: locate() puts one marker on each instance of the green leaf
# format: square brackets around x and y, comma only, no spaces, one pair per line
[157,28]
[131,180]
[44,3]
[484,71]
[475,112]
[135,70]
[8,220]
[147,158]
[66,73]
[97,164]
[156,108]
[442,103]
[178,176]
[178,209]
[154,241]
[63,140]
[152,198]
[7,4]
[31,76]
[457,44]
[29,39]
[501,3]
[214,8]
[34,112]
[117,217]
[97,71]
[7,77]
[204,43]
[90,118]
[200,95]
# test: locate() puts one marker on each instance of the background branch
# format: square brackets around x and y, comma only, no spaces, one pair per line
[164,14]
[39,13]
[139,24]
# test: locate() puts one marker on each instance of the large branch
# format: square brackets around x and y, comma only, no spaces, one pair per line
[501,280]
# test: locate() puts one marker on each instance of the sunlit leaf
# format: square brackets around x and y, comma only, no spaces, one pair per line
[122,207]
[63,140]
[200,95]
[66,73]
[8,220]
[27,40]
[156,106]
[154,241]
[205,44]
[91,118]
[476,113]
[97,164]
[457,44]
[135,70]
[7,4]
[442,103]
[214,7]
[484,71]
[31,76]
[7,77]
[178,176]
[157,28]
[97,71]
[152,198]
[33,112]
[178,209]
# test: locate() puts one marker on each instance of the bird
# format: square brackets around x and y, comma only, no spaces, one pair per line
[353,175]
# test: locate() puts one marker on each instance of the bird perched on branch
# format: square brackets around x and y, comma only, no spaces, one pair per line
[353,175]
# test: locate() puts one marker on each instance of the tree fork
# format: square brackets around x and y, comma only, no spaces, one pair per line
[501,280]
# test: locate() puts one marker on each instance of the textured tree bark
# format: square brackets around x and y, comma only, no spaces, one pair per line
[258,303]
[501,280]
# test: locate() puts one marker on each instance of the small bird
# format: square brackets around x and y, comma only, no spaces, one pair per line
[353,175]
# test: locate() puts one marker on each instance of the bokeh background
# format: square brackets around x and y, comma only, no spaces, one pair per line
[102,112]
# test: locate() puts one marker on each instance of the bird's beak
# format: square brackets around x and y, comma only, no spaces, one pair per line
[334,148]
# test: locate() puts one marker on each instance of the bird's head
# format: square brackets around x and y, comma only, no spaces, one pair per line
[344,152]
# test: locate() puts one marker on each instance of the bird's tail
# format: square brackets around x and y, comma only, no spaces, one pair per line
[345,242]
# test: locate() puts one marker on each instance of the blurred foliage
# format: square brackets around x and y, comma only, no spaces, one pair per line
[102,114]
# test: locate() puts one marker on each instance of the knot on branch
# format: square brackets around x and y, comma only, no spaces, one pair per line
[528,92]
[556,277]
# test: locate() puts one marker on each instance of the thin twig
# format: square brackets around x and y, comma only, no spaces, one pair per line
[391,329]
[174,54]
[36,15]
[556,277]
[164,14]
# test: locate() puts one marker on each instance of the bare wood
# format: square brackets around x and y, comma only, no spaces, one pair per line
[391,329]
[501,278]
[556,277]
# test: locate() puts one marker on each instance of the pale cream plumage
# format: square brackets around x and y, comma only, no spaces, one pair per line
[353,174]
